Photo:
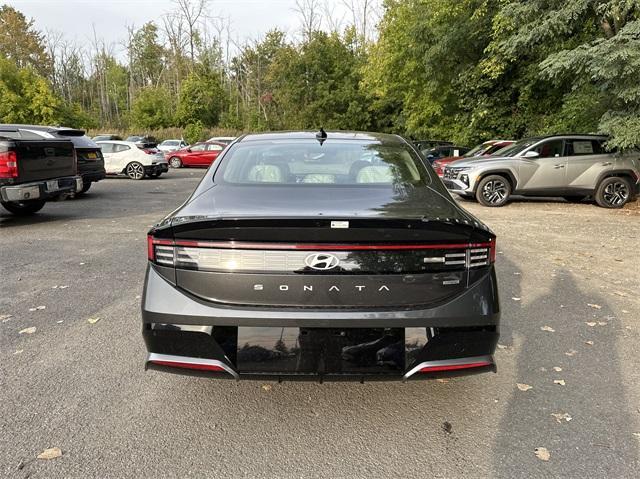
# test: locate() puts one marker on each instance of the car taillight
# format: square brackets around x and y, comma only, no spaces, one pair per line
[239,256]
[8,164]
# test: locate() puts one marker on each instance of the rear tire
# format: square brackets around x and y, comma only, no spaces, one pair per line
[175,162]
[23,208]
[493,190]
[613,192]
[135,170]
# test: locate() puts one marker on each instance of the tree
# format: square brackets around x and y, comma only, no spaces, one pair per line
[21,42]
[27,97]
[201,100]
[152,109]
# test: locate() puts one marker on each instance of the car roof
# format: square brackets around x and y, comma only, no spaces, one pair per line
[311,135]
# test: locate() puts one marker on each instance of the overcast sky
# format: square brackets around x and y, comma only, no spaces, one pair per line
[75,18]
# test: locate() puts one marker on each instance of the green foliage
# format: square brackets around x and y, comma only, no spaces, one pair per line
[21,42]
[194,132]
[26,97]
[201,100]
[152,109]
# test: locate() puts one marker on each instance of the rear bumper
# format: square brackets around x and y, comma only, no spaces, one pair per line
[299,343]
[93,177]
[157,168]
[41,190]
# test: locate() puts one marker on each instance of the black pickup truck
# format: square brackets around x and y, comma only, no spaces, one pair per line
[34,170]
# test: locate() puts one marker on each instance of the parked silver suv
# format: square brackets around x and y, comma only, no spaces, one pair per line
[571,166]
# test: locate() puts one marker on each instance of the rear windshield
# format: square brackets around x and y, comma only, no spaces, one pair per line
[335,163]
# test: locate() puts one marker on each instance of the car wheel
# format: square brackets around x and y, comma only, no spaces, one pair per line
[175,162]
[613,192]
[574,199]
[493,190]
[23,208]
[135,170]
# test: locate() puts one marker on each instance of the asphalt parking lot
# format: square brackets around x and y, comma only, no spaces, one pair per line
[567,386]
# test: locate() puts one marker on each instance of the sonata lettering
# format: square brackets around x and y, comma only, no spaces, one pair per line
[333,288]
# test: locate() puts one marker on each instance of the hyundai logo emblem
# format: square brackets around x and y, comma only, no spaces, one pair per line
[322,261]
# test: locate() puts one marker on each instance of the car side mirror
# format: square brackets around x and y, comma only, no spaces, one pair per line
[531,154]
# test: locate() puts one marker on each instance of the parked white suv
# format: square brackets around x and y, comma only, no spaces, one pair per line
[124,157]
[570,166]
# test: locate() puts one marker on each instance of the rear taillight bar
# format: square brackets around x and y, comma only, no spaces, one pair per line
[213,255]
[185,362]
[451,365]
[321,246]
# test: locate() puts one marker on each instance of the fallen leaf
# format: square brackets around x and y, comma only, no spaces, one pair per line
[591,323]
[51,453]
[5,317]
[548,328]
[602,323]
[516,299]
[594,306]
[557,369]
[559,382]
[542,453]
[590,343]
[447,427]
[637,434]
[502,346]
[267,387]
[60,322]
[442,380]
[30,330]
[65,286]
[571,353]
[562,417]
[93,320]
[18,351]
[523,387]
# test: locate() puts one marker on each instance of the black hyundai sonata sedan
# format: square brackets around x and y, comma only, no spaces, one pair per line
[322,256]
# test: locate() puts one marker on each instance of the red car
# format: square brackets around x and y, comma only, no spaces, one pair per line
[198,154]
[484,149]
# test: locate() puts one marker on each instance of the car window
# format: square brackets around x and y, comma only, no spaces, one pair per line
[120,148]
[549,149]
[307,162]
[583,147]
[214,147]
[106,147]
[200,147]
[20,135]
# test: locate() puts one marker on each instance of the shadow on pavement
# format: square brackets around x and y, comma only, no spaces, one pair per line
[598,440]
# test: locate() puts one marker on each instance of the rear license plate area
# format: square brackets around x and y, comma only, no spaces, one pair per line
[321,351]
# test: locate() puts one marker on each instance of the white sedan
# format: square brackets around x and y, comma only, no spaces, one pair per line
[124,157]
[172,145]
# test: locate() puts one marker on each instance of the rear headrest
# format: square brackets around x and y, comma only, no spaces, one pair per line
[375,174]
[266,174]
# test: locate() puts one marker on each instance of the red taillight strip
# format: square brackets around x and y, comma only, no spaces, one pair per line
[184,362]
[451,365]
[319,247]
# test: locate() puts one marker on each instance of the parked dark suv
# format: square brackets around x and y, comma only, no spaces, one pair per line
[331,256]
[89,156]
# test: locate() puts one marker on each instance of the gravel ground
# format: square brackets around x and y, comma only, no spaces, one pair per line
[569,281]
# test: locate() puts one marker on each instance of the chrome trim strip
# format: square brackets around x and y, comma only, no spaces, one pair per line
[448,362]
[190,360]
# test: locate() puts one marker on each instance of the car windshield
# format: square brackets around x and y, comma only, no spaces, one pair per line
[171,142]
[476,151]
[308,163]
[516,148]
